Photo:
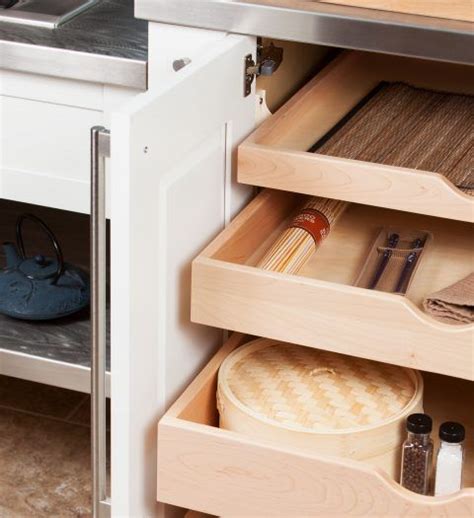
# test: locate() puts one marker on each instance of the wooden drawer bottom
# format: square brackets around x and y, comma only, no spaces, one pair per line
[219,472]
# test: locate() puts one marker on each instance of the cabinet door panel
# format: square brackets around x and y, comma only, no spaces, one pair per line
[172,191]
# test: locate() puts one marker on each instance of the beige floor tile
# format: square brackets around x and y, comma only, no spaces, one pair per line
[41,399]
[44,467]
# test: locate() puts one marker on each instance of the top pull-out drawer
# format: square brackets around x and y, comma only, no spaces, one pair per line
[277,156]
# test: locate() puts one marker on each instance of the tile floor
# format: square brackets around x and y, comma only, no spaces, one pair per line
[44,451]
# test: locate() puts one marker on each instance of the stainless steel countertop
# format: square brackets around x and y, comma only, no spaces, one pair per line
[319,23]
[105,44]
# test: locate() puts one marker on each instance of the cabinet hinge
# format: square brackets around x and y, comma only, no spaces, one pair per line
[268,60]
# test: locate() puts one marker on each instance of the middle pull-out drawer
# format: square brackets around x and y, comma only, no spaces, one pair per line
[320,307]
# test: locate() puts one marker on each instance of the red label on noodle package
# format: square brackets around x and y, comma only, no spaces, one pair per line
[314,222]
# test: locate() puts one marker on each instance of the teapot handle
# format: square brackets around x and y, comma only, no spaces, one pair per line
[48,232]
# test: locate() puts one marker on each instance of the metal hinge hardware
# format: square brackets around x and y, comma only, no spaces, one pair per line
[269,58]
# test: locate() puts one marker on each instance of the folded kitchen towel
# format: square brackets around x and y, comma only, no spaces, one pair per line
[454,304]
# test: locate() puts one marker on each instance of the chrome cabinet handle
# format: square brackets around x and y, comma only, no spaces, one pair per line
[100,149]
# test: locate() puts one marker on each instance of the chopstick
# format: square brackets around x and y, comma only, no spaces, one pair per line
[392,242]
[410,262]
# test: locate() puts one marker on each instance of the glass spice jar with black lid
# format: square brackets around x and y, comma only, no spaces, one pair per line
[449,463]
[417,454]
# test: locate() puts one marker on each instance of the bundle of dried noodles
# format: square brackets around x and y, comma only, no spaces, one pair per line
[301,239]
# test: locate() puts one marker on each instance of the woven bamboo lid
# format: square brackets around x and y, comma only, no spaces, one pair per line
[306,389]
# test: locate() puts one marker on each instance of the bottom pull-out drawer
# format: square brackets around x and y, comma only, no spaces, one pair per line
[223,473]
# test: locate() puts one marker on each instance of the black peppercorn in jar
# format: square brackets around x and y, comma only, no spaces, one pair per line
[417,454]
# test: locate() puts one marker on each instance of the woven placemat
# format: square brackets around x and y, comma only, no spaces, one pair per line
[404,126]
[316,390]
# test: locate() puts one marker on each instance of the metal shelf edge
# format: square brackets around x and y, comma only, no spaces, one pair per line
[331,25]
[47,371]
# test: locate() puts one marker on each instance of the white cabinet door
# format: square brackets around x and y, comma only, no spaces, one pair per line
[172,191]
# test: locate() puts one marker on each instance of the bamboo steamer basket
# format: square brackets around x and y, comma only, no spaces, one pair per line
[319,401]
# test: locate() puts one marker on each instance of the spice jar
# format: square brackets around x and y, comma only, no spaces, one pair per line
[417,453]
[450,459]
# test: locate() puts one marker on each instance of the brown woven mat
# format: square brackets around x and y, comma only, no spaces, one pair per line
[410,127]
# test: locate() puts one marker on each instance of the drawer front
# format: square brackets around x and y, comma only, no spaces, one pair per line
[223,473]
[45,136]
[45,157]
[276,155]
[321,308]
[51,89]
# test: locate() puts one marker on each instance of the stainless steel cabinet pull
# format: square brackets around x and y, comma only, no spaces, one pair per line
[100,149]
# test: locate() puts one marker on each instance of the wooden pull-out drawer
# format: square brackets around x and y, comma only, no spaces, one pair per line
[223,473]
[276,155]
[320,307]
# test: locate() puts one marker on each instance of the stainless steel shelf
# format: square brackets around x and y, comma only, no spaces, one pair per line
[54,353]
[105,44]
[50,14]
[324,24]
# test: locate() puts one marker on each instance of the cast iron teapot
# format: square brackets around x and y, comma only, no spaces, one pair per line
[39,287]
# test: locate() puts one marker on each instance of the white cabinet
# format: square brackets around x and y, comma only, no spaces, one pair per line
[170,190]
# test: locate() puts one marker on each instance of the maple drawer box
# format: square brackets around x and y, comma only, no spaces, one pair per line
[320,307]
[223,473]
[277,154]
